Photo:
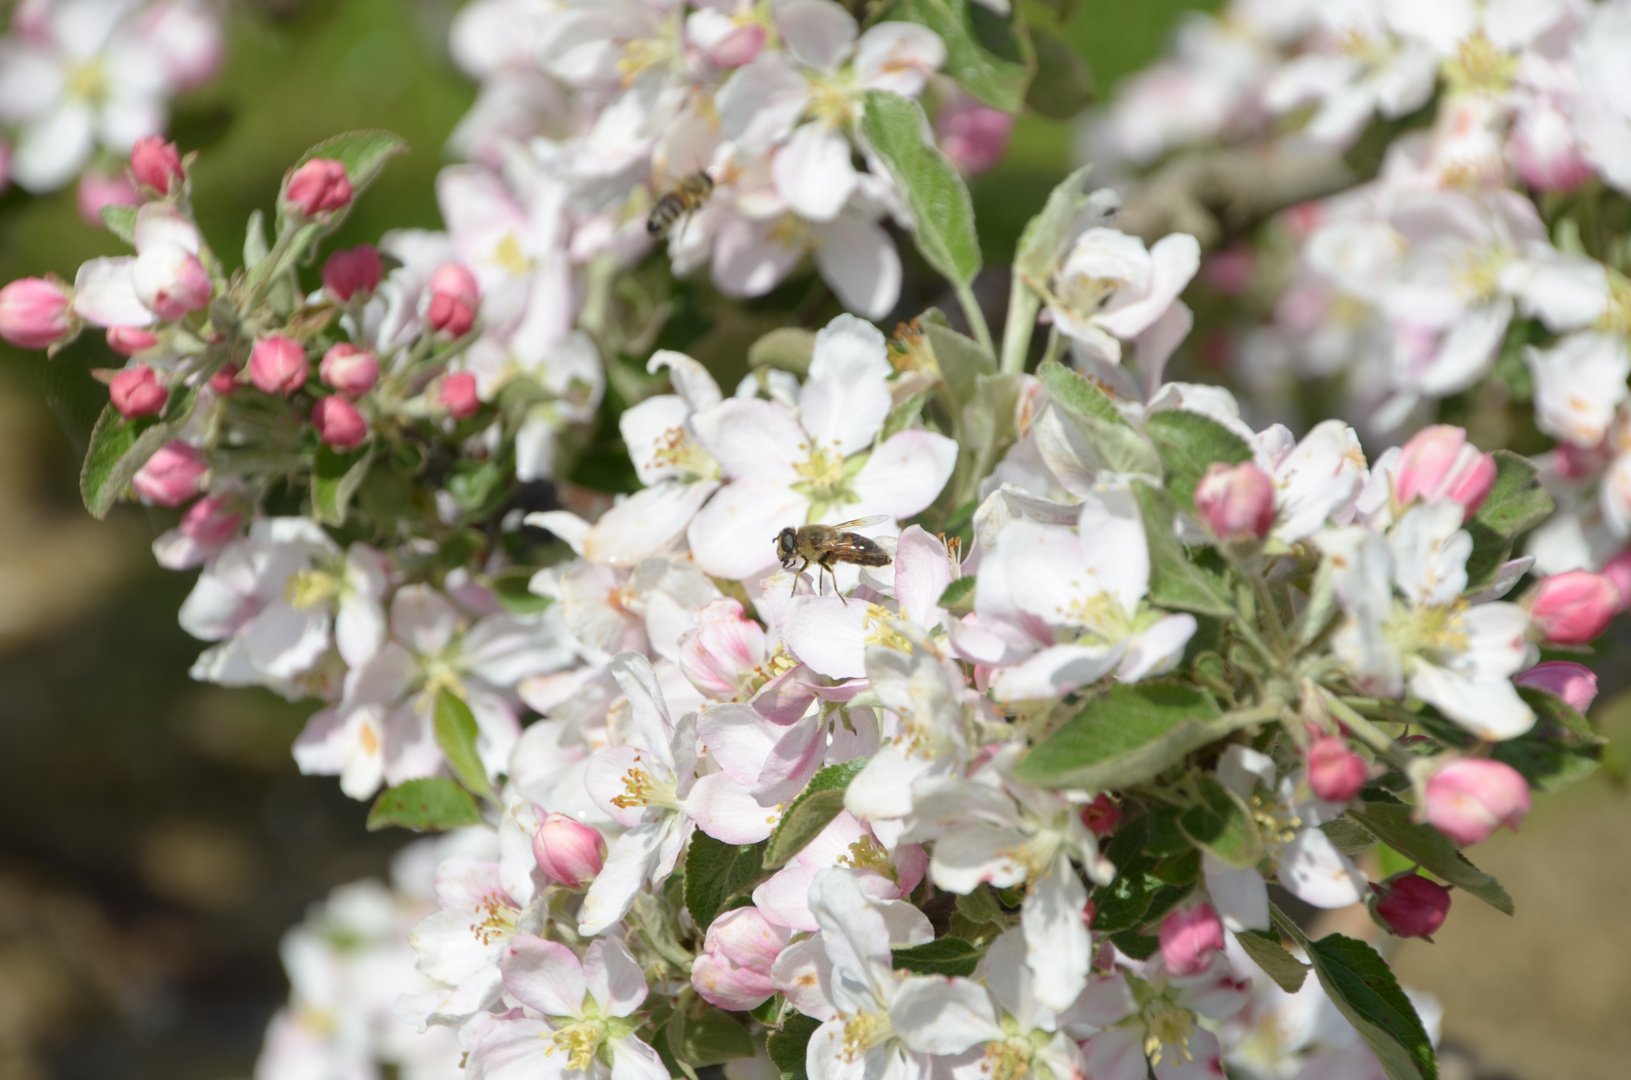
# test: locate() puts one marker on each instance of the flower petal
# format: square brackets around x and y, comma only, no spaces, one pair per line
[904,475]
[940,1015]
[857,258]
[726,811]
[614,977]
[544,975]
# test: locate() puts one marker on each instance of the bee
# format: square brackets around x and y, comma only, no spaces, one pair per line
[683,201]
[825,545]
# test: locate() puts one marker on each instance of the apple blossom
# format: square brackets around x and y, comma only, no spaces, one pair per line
[1110,289]
[35,313]
[278,365]
[338,423]
[98,190]
[348,369]
[1236,502]
[172,475]
[1467,799]
[1438,463]
[452,300]
[1573,607]
[136,392]
[569,852]
[738,952]
[156,163]
[355,271]
[1335,773]
[1189,938]
[973,135]
[206,528]
[130,340]
[320,186]
[1575,683]
[1412,906]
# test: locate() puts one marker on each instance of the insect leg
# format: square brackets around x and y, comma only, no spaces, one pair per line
[829,568]
[794,590]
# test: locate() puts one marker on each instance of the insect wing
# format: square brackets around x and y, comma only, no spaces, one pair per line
[861,523]
[849,547]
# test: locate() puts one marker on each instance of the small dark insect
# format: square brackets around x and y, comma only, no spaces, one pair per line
[825,545]
[684,200]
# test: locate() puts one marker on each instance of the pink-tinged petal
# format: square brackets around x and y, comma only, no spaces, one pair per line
[605,778]
[1314,871]
[1117,1054]
[976,853]
[791,762]
[1465,352]
[922,572]
[785,698]
[898,57]
[423,620]
[160,224]
[633,859]
[614,977]
[934,1014]
[904,475]
[753,438]
[1055,672]
[803,973]
[817,32]
[632,1059]
[1203,1062]
[1158,341]
[813,173]
[858,260]
[646,523]
[846,398]
[734,536]
[828,635]
[1156,650]
[284,641]
[105,294]
[753,257]
[544,975]
[856,936]
[739,738]
[725,810]
[761,101]
[516,1049]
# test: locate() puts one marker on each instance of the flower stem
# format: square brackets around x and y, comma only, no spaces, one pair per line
[976,317]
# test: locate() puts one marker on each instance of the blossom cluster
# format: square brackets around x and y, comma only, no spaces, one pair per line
[929,705]
[82,80]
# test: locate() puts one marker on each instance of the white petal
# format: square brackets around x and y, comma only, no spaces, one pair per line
[725,810]
[1058,949]
[857,258]
[50,151]
[646,523]
[813,172]
[1240,896]
[1055,672]
[1158,649]
[753,438]
[614,977]
[761,101]
[753,257]
[818,32]
[904,475]
[105,294]
[846,398]
[829,635]
[939,1015]
[1488,707]
[922,573]
[1314,871]
[544,975]
[632,1059]
[734,535]
[630,863]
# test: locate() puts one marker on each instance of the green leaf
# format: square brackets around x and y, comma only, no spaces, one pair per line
[1121,904]
[363,153]
[904,415]
[962,360]
[788,1046]
[1136,945]
[942,213]
[996,80]
[1063,83]
[1548,765]
[336,476]
[1267,953]
[1188,444]
[1106,440]
[121,222]
[716,871]
[424,805]
[1347,836]
[1125,736]
[788,348]
[1363,988]
[812,811]
[119,448]
[1390,823]
[512,588]
[255,246]
[1042,244]
[456,734]
[1515,504]
[477,486]
[1222,824]
[714,1038]
[959,590]
[1175,580]
[1082,397]
[947,956]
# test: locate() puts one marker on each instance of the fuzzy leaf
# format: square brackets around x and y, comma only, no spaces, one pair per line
[1175,580]
[1267,953]
[716,871]
[1188,444]
[1125,736]
[959,590]
[788,348]
[121,222]
[1042,244]
[363,153]
[999,81]
[1515,504]
[456,733]
[942,212]
[811,812]
[962,360]
[714,1038]
[424,805]
[1222,824]
[1390,823]
[787,1047]
[947,956]
[336,476]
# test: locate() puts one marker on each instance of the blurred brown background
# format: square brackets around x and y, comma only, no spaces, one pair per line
[155,838]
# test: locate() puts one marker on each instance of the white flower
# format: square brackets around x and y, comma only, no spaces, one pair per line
[1110,290]
[1579,384]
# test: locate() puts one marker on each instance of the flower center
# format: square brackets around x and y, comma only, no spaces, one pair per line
[1277,822]
[1085,295]
[1435,632]
[509,257]
[676,449]
[827,475]
[579,1040]
[1479,275]
[1168,1029]
[640,788]
[863,1032]
[867,854]
[496,920]
[1007,1060]
[86,81]
[307,589]
[1480,65]
[830,100]
[880,629]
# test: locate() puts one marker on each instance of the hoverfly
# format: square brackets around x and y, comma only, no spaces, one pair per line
[825,545]
[686,198]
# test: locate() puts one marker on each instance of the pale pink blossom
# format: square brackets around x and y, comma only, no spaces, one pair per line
[173,475]
[136,392]
[35,312]
[738,952]
[1467,799]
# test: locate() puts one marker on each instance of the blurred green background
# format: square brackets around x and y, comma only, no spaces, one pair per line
[155,838]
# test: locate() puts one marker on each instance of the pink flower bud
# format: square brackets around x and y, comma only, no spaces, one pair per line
[1618,570]
[338,422]
[1412,906]
[737,47]
[738,951]
[348,273]
[1469,798]
[973,135]
[225,381]
[1573,607]
[156,164]
[97,190]
[170,281]
[171,476]
[350,370]
[1236,501]
[212,520]
[1190,937]
[454,295]
[1575,683]
[319,186]
[457,394]
[1438,463]
[137,392]
[570,852]
[1230,272]
[723,652]
[1335,773]
[1545,151]
[277,365]
[130,340]
[1101,816]
[35,313]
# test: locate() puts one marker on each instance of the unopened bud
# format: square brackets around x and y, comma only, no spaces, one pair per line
[1469,798]
[1412,906]
[1545,151]
[1438,463]
[456,392]
[1101,816]
[225,381]
[171,476]
[350,370]
[97,190]
[34,313]
[973,135]
[212,520]
[352,272]
[137,392]
[1574,607]
[130,340]
[156,164]
[1190,937]
[277,365]
[1618,570]
[338,422]
[320,186]
[1236,501]
[1335,773]
[739,950]
[724,651]
[170,281]
[738,46]
[570,852]
[454,296]
[1575,684]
